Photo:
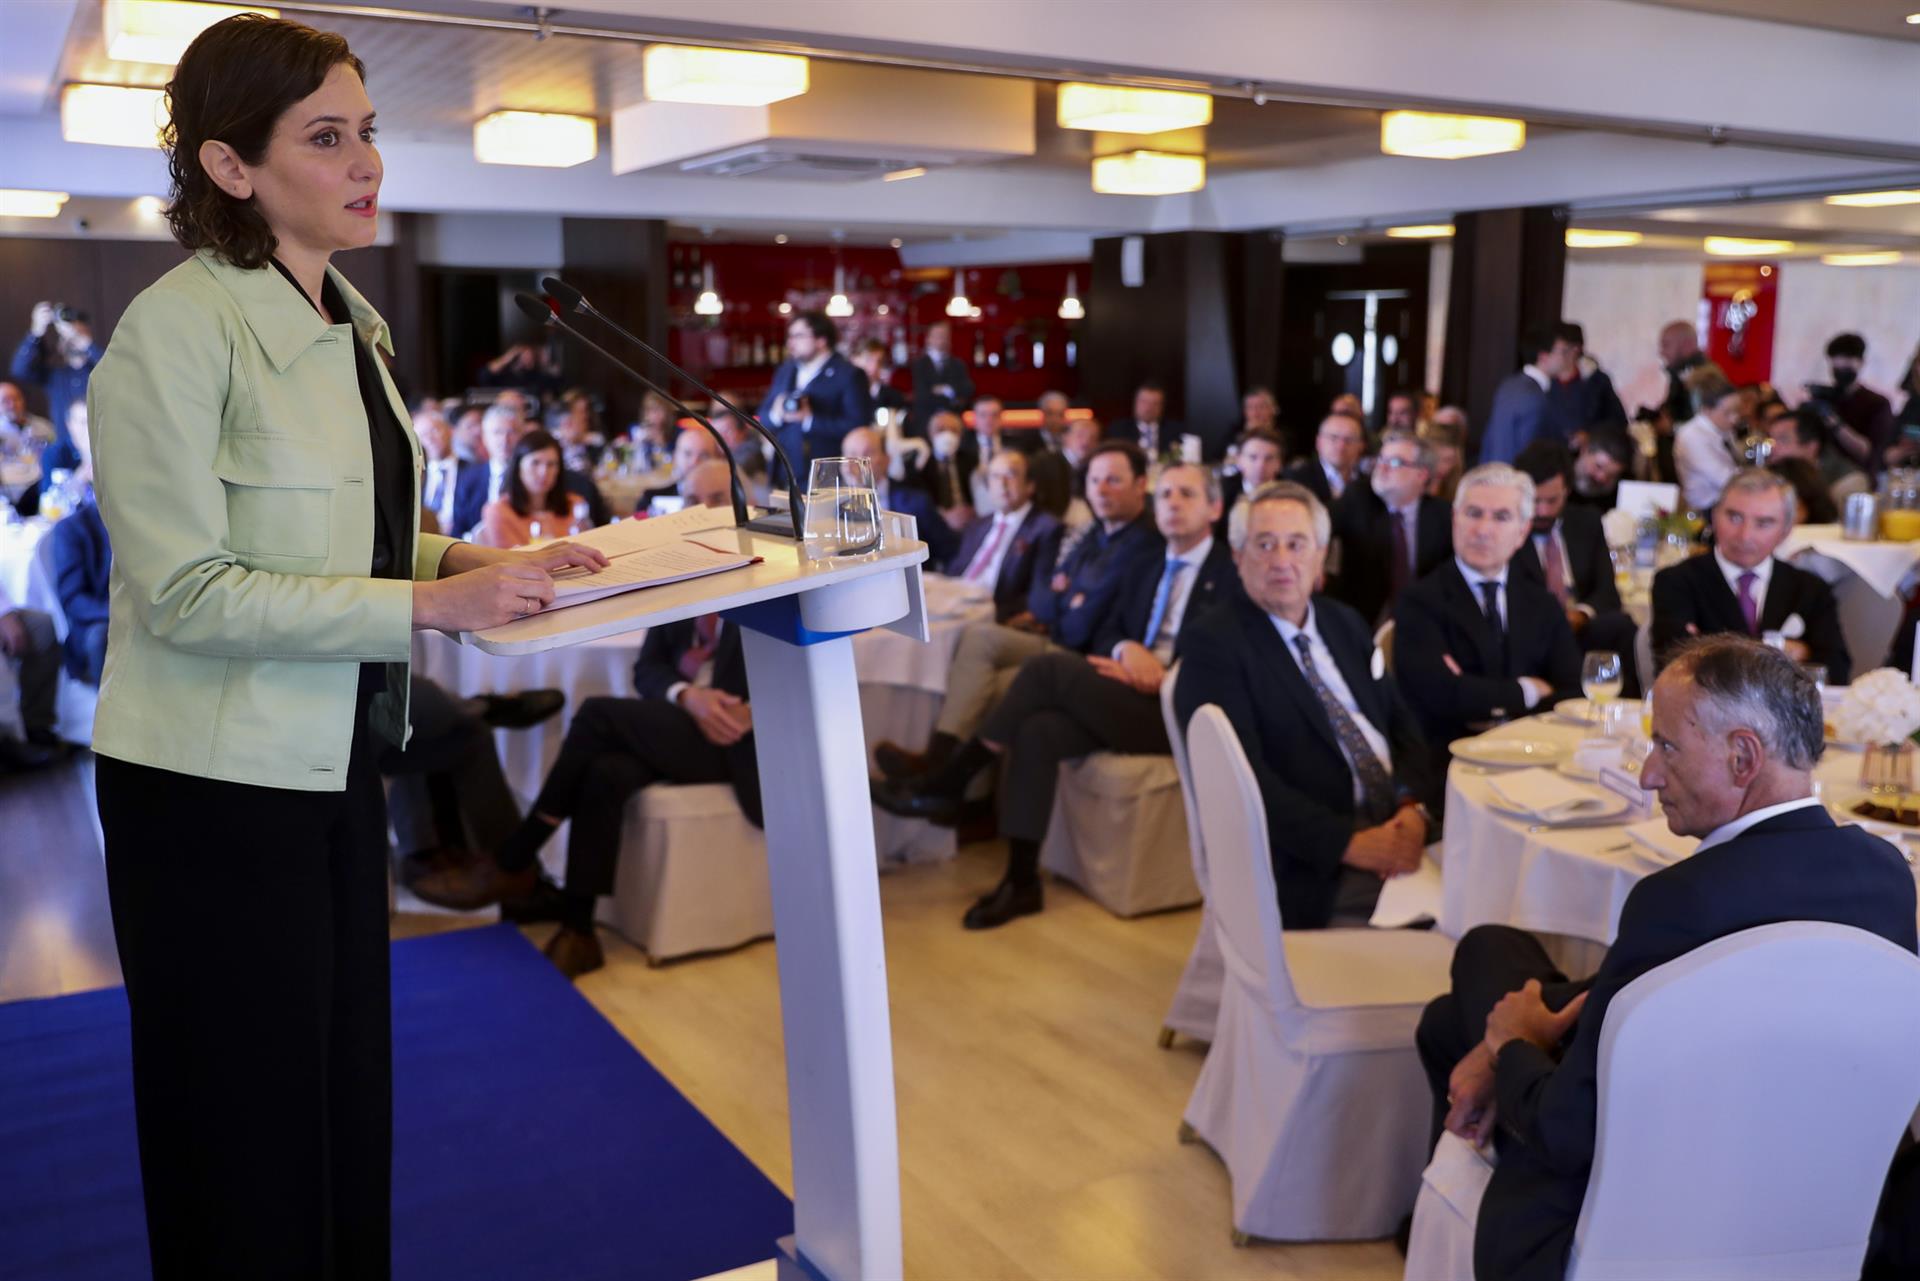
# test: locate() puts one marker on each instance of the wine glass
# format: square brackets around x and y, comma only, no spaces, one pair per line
[1601,680]
[842,513]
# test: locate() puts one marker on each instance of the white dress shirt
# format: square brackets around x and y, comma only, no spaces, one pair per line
[1538,375]
[999,541]
[1474,578]
[1703,458]
[1193,558]
[1762,576]
[1329,672]
[1335,481]
[803,374]
[445,474]
[1736,826]
[496,478]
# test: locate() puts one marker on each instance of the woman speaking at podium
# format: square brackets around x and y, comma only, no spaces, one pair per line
[259,482]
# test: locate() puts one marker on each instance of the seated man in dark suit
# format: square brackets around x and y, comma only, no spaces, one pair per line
[82,565]
[1513,1051]
[1568,554]
[691,447]
[1739,587]
[1337,754]
[1066,607]
[941,540]
[475,486]
[1390,533]
[1256,462]
[1149,428]
[1001,551]
[1472,641]
[1337,447]
[1062,706]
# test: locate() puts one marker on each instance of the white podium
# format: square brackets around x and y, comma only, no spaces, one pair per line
[797,619]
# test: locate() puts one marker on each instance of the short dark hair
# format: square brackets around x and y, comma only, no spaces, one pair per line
[1809,424]
[1612,442]
[1847,345]
[1135,456]
[1543,459]
[822,325]
[1150,385]
[558,500]
[233,84]
[866,345]
[1263,434]
[1571,333]
[1536,338]
[1809,487]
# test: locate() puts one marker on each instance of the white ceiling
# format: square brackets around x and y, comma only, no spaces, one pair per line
[1886,19]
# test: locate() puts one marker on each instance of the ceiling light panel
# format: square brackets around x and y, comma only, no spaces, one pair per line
[535,138]
[160,30]
[1117,109]
[1586,238]
[112,115]
[1148,173]
[1874,199]
[15,203]
[1740,247]
[1439,137]
[721,77]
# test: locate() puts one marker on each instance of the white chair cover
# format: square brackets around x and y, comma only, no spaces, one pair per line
[1746,1117]
[693,873]
[1196,1002]
[1312,1093]
[1751,1094]
[1119,832]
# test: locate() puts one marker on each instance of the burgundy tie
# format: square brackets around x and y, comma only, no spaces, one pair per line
[1749,608]
[983,558]
[706,636]
[1556,570]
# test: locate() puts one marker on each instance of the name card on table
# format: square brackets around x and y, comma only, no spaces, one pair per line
[1621,783]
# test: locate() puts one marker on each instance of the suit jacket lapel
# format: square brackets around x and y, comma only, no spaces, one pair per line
[1718,594]
[1783,598]
[1285,668]
[1356,668]
[1466,604]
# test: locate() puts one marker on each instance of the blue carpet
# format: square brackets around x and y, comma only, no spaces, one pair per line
[530,1140]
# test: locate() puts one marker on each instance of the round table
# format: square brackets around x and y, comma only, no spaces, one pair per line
[1568,881]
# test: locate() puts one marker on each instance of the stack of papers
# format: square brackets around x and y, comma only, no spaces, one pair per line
[1549,796]
[648,553]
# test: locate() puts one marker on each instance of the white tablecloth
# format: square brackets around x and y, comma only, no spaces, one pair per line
[1571,881]
[1880,564]
[26,581]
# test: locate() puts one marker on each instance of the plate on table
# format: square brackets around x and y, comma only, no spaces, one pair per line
[1508,753]
[1608,808]
[1841,805]
[1580,711]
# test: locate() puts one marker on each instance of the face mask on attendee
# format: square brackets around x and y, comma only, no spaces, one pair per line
[946,443]
[1843,377]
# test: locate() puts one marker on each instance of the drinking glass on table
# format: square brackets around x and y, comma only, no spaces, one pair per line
[842,511]
[1600,681]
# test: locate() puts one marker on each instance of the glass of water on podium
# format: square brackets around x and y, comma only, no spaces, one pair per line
[842,510]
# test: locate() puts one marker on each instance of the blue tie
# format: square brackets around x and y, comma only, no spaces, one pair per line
[1162,596]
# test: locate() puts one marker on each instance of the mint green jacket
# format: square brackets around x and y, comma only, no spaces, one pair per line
[235,475]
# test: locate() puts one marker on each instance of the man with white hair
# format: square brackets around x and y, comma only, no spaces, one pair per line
[1474,643]
[1512,1052]
[500,428]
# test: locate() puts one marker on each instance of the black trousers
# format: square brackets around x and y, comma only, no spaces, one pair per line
[252,929]
[447,785]
[615,747]
[1059,709]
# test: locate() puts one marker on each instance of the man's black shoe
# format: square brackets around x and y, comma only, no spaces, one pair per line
[520,711]
[545,903]
[908,801]
[1006,902]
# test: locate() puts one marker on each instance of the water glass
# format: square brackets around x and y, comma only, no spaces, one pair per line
[1601,677]
[842,511]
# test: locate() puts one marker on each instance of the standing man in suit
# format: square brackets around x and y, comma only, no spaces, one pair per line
[1002,551]
[1149,427]
[941,539]
[1513,1050]
[1063,706]
[1567,553]
[941,380]
[870,358]
[1474,642]
[816,399]
[1072,594]
[1337,447]
[1582,397]
[1390,533]
[1519,403]
[1337,754]
[1739,587]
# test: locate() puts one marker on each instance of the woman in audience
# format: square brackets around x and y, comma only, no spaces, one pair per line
[536,505]
[1446,431]
[256,474]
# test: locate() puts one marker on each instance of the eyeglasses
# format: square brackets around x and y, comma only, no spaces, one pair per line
[1397,464]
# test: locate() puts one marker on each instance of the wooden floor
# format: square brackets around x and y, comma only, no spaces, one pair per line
[1037,1115]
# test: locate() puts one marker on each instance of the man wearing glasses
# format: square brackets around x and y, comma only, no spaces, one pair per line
[1389,532]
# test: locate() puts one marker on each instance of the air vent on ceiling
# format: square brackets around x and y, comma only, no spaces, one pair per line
[797,166]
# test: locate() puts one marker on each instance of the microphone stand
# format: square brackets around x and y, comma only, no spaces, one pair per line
[541,312]
[571,299]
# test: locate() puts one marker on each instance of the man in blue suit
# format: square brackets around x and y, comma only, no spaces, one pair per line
[1001,549]
[941,540]
[818,396]
[1520,402]
[1512,1052]
[476,485]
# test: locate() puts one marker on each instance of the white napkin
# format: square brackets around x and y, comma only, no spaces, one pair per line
[1406,899]
[1595,754]
[1547,795]
[948,597]
[1656,843]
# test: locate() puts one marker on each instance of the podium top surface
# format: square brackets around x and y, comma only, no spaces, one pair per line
[782,571]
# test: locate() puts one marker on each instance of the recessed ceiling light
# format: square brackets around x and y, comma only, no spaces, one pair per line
[1913,20]
[896,242]
[1148,173]
[721,77]
[1118,109]
[535,138]
[901,175]
[780,239]
[15,203]
[1424,231]
[1875,199]
[1740,247]
[112,115]
[1584,238]
[1439,137]
[1873,258]
[160,30]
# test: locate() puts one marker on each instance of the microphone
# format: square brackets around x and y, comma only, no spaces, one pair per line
[541,312]
[572,299]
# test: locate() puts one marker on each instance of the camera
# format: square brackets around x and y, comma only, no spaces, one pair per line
[64,314]
[790,407]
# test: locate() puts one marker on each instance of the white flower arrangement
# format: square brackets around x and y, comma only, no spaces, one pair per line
[1881,707]
[1621,528]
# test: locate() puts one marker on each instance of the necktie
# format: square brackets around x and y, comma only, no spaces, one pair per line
[1400,568]
[1490,598]
[983,559]
[1749,608]
[1376,789]
[436,486]
[1162,597]
[1556,569]
[706,638]
[1150,438]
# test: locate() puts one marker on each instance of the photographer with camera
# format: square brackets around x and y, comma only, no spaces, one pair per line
[58,354]
[818,396]
[1860,418]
